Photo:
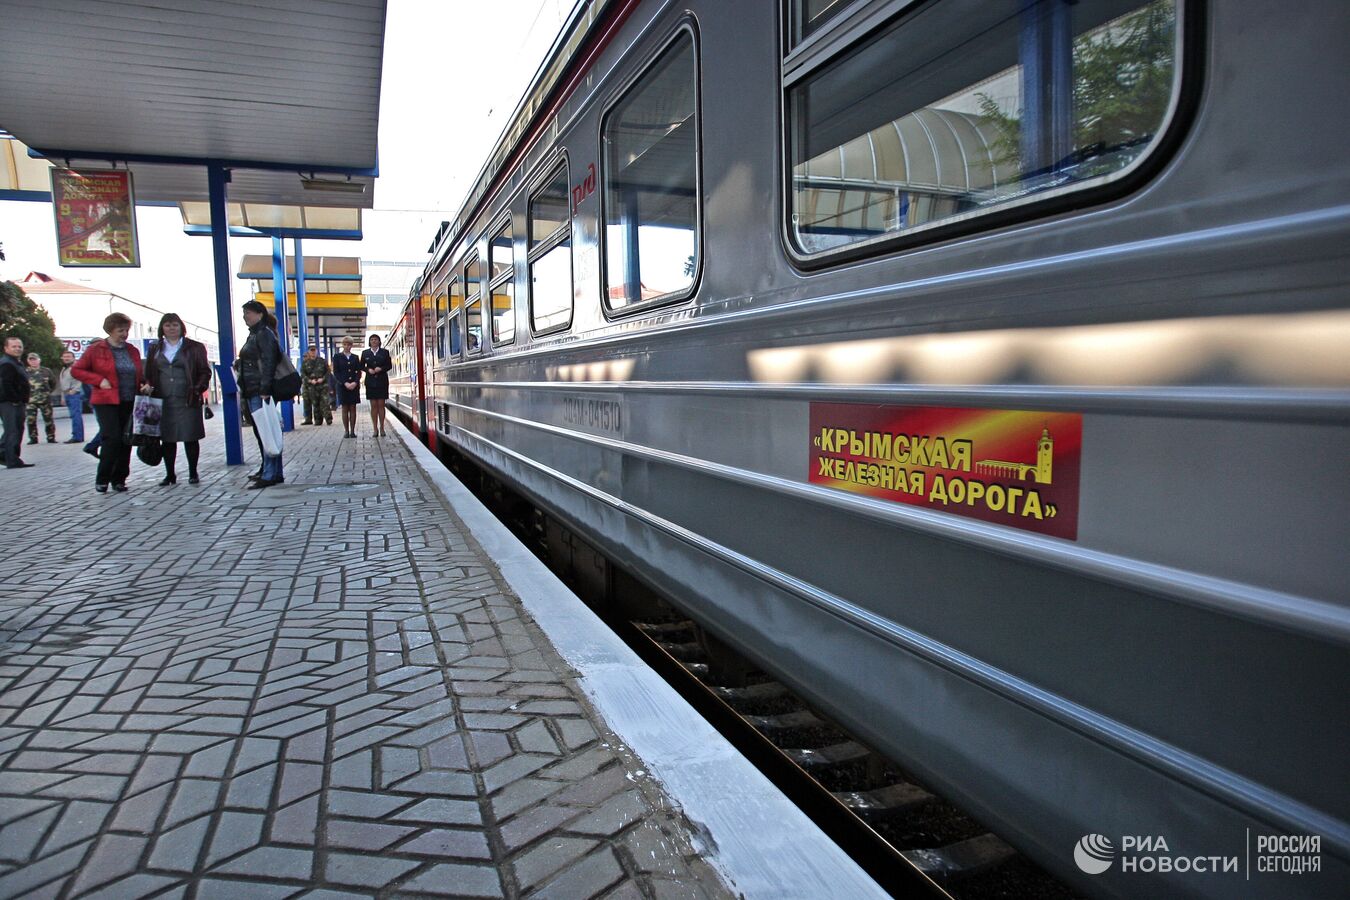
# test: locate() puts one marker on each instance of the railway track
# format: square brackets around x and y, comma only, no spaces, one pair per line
[910,840]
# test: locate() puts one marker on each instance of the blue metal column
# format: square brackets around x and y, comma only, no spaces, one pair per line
[301,314]
[217,177]
[283,315]
[1045,51]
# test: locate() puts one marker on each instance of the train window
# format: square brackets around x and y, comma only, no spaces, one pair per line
[809,15]
[550,254]
[651,183]
[963,107]
[502,267]
[473,305]
[456,304]
[442,326]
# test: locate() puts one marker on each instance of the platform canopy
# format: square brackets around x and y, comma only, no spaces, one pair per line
[284,93]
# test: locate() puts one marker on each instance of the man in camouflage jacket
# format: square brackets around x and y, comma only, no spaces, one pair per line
[314,373]
[41,383]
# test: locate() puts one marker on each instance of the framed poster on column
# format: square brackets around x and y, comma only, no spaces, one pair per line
[95,218]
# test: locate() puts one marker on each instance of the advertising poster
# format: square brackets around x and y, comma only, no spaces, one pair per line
[95,218]
[1008,467]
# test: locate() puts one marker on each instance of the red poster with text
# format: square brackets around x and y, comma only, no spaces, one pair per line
[95,218]
[1009,467]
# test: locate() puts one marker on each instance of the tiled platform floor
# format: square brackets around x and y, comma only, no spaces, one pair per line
[316,690]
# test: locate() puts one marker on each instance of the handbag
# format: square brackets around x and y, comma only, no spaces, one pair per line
[150,452]
[285,380]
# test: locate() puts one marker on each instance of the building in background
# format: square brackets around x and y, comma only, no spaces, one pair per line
[78,310]
[386,284]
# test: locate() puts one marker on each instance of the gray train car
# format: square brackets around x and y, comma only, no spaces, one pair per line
[980,369]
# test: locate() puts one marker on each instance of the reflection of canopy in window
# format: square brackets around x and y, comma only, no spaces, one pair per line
[965,105]
[902,172]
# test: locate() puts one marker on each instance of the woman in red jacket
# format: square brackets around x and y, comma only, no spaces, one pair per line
[113,367]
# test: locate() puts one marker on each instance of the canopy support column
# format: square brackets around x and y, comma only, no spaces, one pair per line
[283,317]
[217,177]
[301,314]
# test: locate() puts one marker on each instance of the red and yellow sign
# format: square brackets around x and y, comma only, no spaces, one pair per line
[95,218]
[1009,467]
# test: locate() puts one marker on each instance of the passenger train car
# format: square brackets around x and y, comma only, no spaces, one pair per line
[981,368]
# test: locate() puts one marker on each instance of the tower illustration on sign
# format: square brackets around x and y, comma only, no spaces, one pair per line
[1039,471]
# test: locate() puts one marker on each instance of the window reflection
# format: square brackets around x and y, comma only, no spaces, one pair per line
[969,105]
[501,263]
[551,288]
[650,182]
[442,327]
[549,209]
[550,255]
[456,303]
[473,304]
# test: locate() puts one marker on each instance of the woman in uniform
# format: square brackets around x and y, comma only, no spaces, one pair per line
[376,363]
[347,371]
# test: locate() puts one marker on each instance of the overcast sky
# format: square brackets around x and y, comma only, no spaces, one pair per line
[453,73]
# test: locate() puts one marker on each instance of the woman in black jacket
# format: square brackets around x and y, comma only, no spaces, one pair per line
[257,369]
[177,371]
[376,364]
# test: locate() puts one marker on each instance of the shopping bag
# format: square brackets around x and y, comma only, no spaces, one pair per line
[145,415]
[267,420]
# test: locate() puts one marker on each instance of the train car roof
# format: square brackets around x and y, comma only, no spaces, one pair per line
[549,81]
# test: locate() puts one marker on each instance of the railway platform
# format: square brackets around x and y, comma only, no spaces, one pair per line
[355,684]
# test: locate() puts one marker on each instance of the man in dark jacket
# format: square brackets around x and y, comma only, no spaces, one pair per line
[14,393]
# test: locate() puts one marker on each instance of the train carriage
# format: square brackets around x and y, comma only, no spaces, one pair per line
[977,368]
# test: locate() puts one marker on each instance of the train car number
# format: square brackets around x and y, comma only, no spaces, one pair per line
[596,414]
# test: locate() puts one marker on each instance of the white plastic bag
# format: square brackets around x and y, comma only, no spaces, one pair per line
[268,420]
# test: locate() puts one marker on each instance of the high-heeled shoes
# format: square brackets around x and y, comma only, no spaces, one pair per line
[168,480]
[193,479]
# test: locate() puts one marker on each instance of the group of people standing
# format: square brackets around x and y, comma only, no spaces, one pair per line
[111,374]
[175,370]
[26,394]
[322,385]
[375,364]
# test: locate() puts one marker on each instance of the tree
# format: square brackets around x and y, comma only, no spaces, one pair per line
[1122,82]
[22,318]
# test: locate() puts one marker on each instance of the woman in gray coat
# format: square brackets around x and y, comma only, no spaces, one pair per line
[178,373]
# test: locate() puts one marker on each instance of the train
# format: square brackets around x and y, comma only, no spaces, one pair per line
[979,369]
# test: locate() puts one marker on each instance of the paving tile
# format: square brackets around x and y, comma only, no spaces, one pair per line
[585,878]
[440,843]
[296,824]
[114,856]
[442,811]
[451,784]
[361,835]
[540,862]
[617,813]
[277,862]
[365,871]
[178,849]
[80,821]
[20,840]
[451,880]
